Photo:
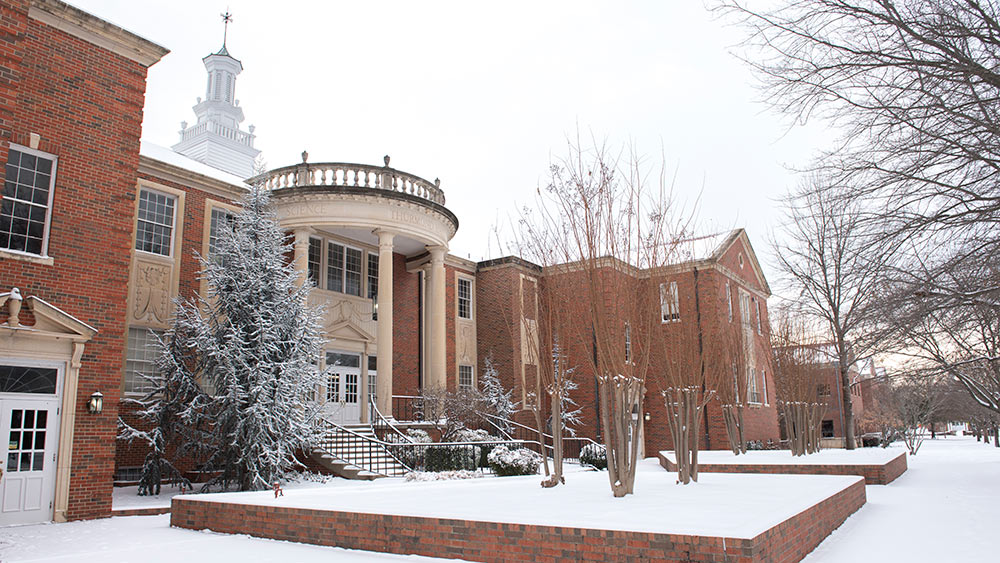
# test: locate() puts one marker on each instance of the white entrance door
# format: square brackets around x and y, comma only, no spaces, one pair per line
[343,391]
[28,431]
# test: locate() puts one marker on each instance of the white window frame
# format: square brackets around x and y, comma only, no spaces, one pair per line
[324,257]
[758,317]
[729,299]
[458,297]
[670,306]
[472,377]
[130,377]
[173,222]
[212,209]
[628,342]
[763,381]
[48,210]
[752,388]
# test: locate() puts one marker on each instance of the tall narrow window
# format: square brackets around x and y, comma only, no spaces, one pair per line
[25,210]
[352,271]
[753,396]
[315,257]
[155,226]
[221,219]
[628,342]
[140,360]
[372,376]
[372,275]
[670,306]
[758,318]
[465,377]
[763,384]
[464,298]
[729,301]
[334,267]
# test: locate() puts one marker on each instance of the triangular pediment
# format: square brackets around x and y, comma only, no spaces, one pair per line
[741,235]
[347,330]
[52,320]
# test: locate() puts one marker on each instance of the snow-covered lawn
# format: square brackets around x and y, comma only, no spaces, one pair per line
[860,456]
[721,504]
[946,507]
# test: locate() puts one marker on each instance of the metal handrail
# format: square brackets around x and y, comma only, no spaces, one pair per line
[380,422]
[545,436]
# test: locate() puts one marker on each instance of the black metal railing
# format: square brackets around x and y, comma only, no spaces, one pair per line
[408,408]
[395,459]
[572,445]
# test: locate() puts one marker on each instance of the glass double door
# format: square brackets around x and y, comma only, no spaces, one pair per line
[343,387]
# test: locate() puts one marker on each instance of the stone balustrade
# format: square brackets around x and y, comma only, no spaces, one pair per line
[240,137]
[352,175]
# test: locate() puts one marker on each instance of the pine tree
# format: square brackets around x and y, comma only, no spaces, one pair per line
[251,344]
[495,396]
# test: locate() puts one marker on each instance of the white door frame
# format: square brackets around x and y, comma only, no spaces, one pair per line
[53,446]
[343,403]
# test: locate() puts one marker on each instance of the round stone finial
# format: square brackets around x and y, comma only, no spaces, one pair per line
[252,128]
[305,156]
[437,182]
[385,159]
[184,124]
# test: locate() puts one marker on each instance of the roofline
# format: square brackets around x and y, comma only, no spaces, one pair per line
[189,178]
[97,31]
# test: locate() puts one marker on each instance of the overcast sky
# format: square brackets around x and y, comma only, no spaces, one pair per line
[484,96]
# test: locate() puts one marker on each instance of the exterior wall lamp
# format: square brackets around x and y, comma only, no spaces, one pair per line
[96,403]
[375,307]
[646,417]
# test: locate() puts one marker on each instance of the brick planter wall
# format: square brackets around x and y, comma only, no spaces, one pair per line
[789,541]
[874,474]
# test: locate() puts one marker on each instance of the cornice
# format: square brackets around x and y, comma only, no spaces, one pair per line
[97,31]
[189,179]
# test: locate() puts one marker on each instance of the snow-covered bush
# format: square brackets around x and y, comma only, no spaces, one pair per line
[422,476]
[594,455]
[450,458]
[505,461]
[412,456]
[467,435]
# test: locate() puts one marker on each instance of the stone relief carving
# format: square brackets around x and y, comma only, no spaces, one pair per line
[152,292]
[466,344]
[339,311]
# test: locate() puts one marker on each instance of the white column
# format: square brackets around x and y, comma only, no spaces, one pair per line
[437,379]
[383,383]
[301,248]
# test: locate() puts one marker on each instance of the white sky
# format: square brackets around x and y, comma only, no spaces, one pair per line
[483,96]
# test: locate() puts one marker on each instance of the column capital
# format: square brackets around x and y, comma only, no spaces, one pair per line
[437,252]
[385,237]
[303,231]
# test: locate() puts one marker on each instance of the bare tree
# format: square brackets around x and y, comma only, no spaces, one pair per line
[834,264]
[728,359]
[796,369]
[917,402]
[597,224]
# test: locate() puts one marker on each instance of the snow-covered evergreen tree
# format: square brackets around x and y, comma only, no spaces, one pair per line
[496,398]
[251,343]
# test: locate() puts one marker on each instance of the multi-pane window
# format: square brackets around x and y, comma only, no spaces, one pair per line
[315,255]
[155,227]
[763,384]
[729,301]
[628,342]
[823,389]
[753,396]
[333,388]
[25,209]
[758,318]
[352,271]
[670,306]
[372,375]
[140,360]
[334,267]
[372,275]
[465,377]
[18,379]
[464,298]
[26,441]
[221,219]
[745,310]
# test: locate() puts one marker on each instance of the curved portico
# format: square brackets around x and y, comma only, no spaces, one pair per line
[384,211]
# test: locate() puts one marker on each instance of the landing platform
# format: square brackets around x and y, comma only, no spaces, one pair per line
[736,518]
[878,466]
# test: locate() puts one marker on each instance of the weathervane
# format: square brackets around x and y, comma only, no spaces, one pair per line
[226,19]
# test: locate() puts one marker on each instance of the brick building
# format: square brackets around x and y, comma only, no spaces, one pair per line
[99,233]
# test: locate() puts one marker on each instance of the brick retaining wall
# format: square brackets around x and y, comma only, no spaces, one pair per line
[874,474]
[789,541]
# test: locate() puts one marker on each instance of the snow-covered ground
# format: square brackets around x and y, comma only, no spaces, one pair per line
[944,508]
[721,504]
[860,456]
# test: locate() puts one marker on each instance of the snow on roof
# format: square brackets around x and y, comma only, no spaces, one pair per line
[702,247]
[168,156]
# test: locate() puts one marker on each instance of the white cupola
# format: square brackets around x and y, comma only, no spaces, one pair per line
[216,139]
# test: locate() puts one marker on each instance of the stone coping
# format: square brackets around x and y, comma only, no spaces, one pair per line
[877,470]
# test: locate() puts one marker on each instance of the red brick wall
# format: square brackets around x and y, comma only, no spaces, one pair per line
[786,542]
[86,104]
[874,474]
[405,328]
